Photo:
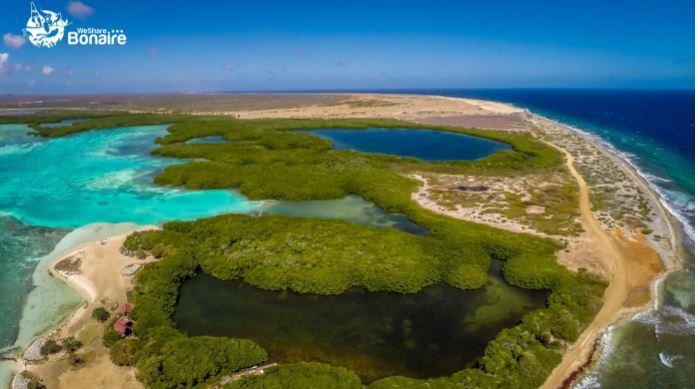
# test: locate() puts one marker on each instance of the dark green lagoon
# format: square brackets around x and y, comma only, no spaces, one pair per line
[423,144]
[432,333]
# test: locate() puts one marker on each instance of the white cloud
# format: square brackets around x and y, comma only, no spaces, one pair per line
[19,68]
[14,41]
[80,10]
[4,63]
[47,70]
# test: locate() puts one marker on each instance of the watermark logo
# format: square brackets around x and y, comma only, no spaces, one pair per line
[45,28]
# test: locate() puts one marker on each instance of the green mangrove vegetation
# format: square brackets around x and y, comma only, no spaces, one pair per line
[267,159]
[89,120]
[300,376]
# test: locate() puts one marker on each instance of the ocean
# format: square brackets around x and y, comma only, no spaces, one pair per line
[655,131]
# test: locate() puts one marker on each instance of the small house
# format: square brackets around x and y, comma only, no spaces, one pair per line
[123,326]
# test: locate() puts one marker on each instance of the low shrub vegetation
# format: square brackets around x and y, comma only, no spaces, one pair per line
[301,376]
[121,352]
[50,347]
[100,314]
[71,344]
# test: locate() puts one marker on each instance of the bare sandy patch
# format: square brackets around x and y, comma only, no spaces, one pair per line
[644,265]
[541,204]
[506,122]
[582,253]
[99,373]
[406,107]
[535,210]
[96,272]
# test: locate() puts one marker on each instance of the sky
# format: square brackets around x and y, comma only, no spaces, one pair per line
[208,46]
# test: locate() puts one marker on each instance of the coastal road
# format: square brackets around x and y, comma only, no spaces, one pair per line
[614,262]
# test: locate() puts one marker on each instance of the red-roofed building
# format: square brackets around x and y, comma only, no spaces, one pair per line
[125,309]
[123,326]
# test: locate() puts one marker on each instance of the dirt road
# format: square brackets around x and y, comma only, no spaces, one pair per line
[614,297]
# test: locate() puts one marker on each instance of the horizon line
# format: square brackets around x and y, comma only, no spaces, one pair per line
[351,90]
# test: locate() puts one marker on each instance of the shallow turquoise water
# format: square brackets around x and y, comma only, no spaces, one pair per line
[422,144]
[96,176]
[52,186]
[18,243]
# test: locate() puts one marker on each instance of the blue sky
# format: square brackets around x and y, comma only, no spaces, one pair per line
[192,46]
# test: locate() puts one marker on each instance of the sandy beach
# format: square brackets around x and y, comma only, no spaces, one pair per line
[633,264]
[95,271]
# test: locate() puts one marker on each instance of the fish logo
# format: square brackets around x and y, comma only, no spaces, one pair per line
[45,28]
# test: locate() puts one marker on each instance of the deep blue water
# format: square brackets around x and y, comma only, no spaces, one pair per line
[656,126]
[422,144]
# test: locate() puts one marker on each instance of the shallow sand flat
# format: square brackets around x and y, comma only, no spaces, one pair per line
[405,107]
[506,122]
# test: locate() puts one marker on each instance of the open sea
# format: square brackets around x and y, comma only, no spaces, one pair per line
[655,131]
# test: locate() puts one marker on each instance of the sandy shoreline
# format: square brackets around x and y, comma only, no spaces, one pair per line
[95,273]
[582,354]
[95,288]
